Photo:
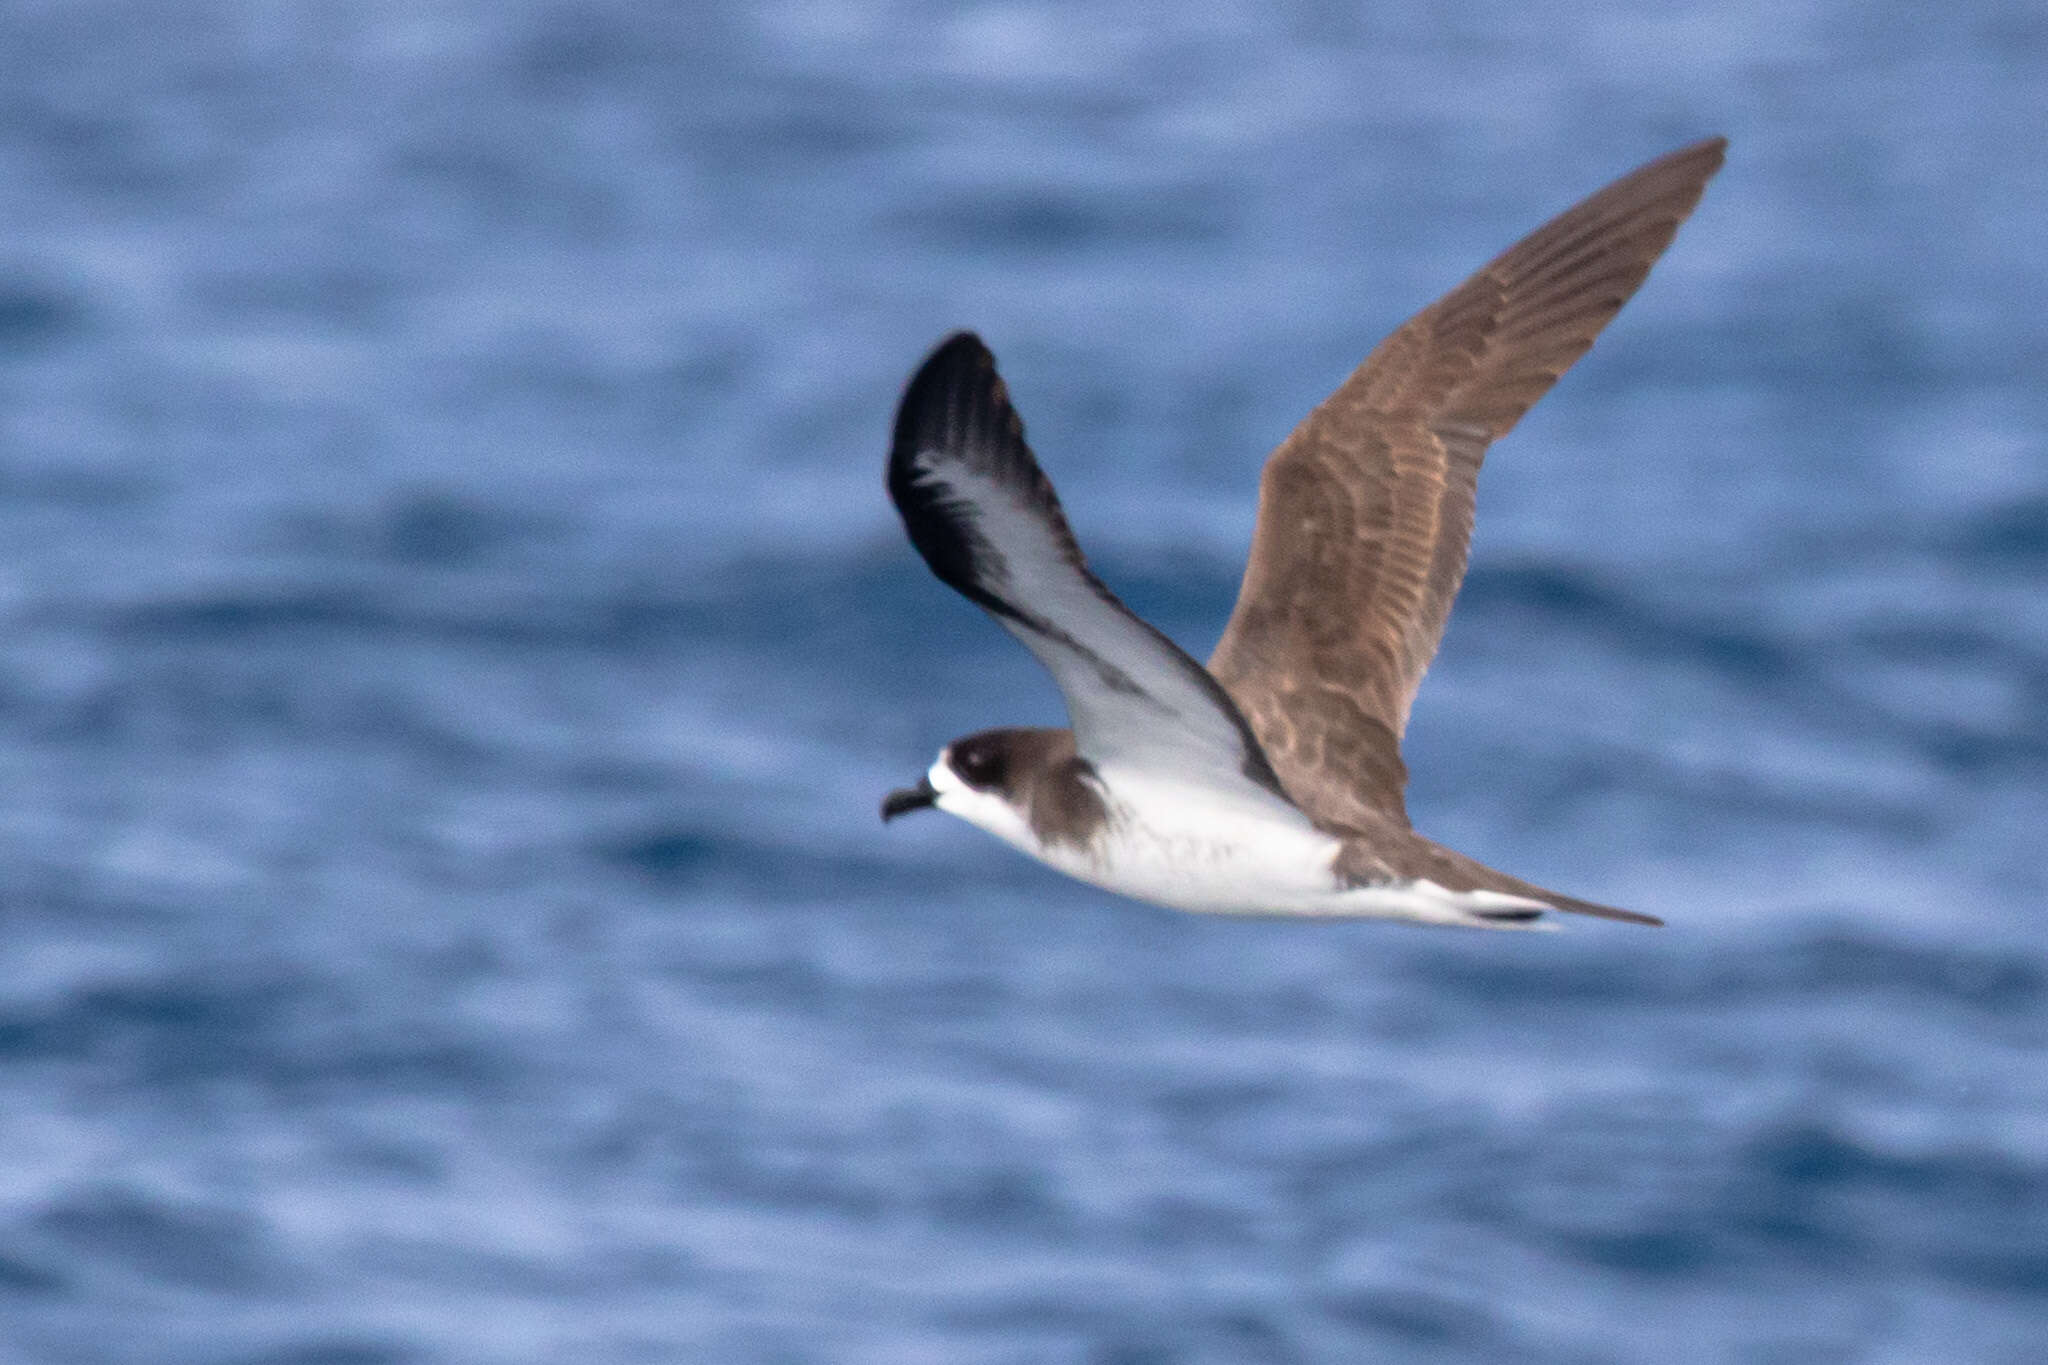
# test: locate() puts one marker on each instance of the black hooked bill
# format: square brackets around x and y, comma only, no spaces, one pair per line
[907,799]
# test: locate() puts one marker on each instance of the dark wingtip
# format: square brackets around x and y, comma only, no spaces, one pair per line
[1711,151]
[954,397]
[1717,145]
[963,344]
[956,410]
[1696,163]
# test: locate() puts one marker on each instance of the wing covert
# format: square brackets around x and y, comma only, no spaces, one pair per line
[1365,510]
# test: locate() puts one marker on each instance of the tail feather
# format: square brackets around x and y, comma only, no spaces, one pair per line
[1459,872]
[1593,908]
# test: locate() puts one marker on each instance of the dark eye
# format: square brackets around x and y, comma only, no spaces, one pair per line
[979,765]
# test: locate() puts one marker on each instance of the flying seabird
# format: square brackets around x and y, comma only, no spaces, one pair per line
[1271,781]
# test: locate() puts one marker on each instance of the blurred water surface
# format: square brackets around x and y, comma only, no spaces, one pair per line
[455,641]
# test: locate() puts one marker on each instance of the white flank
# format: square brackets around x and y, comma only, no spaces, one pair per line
[1241,852]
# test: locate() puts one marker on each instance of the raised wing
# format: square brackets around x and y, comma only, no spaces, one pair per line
[985,518]
[1365,511]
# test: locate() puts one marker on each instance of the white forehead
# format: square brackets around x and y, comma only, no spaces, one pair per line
[983,810]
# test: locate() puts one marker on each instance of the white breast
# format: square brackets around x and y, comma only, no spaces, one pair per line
[1193,848]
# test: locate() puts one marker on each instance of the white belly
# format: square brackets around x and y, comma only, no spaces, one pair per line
[1227,853]
[1268,868]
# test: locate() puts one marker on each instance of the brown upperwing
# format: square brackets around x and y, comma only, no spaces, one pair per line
[1365,511]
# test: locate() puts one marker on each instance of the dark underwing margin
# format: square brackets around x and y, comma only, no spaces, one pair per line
[941,422]
[956,416]
[975,568]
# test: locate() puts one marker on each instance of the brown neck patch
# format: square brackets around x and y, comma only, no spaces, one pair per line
[1053,785]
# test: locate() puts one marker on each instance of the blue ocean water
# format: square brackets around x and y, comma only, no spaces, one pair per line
[455,640]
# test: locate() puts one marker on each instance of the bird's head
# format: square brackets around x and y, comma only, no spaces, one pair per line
[983,779]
